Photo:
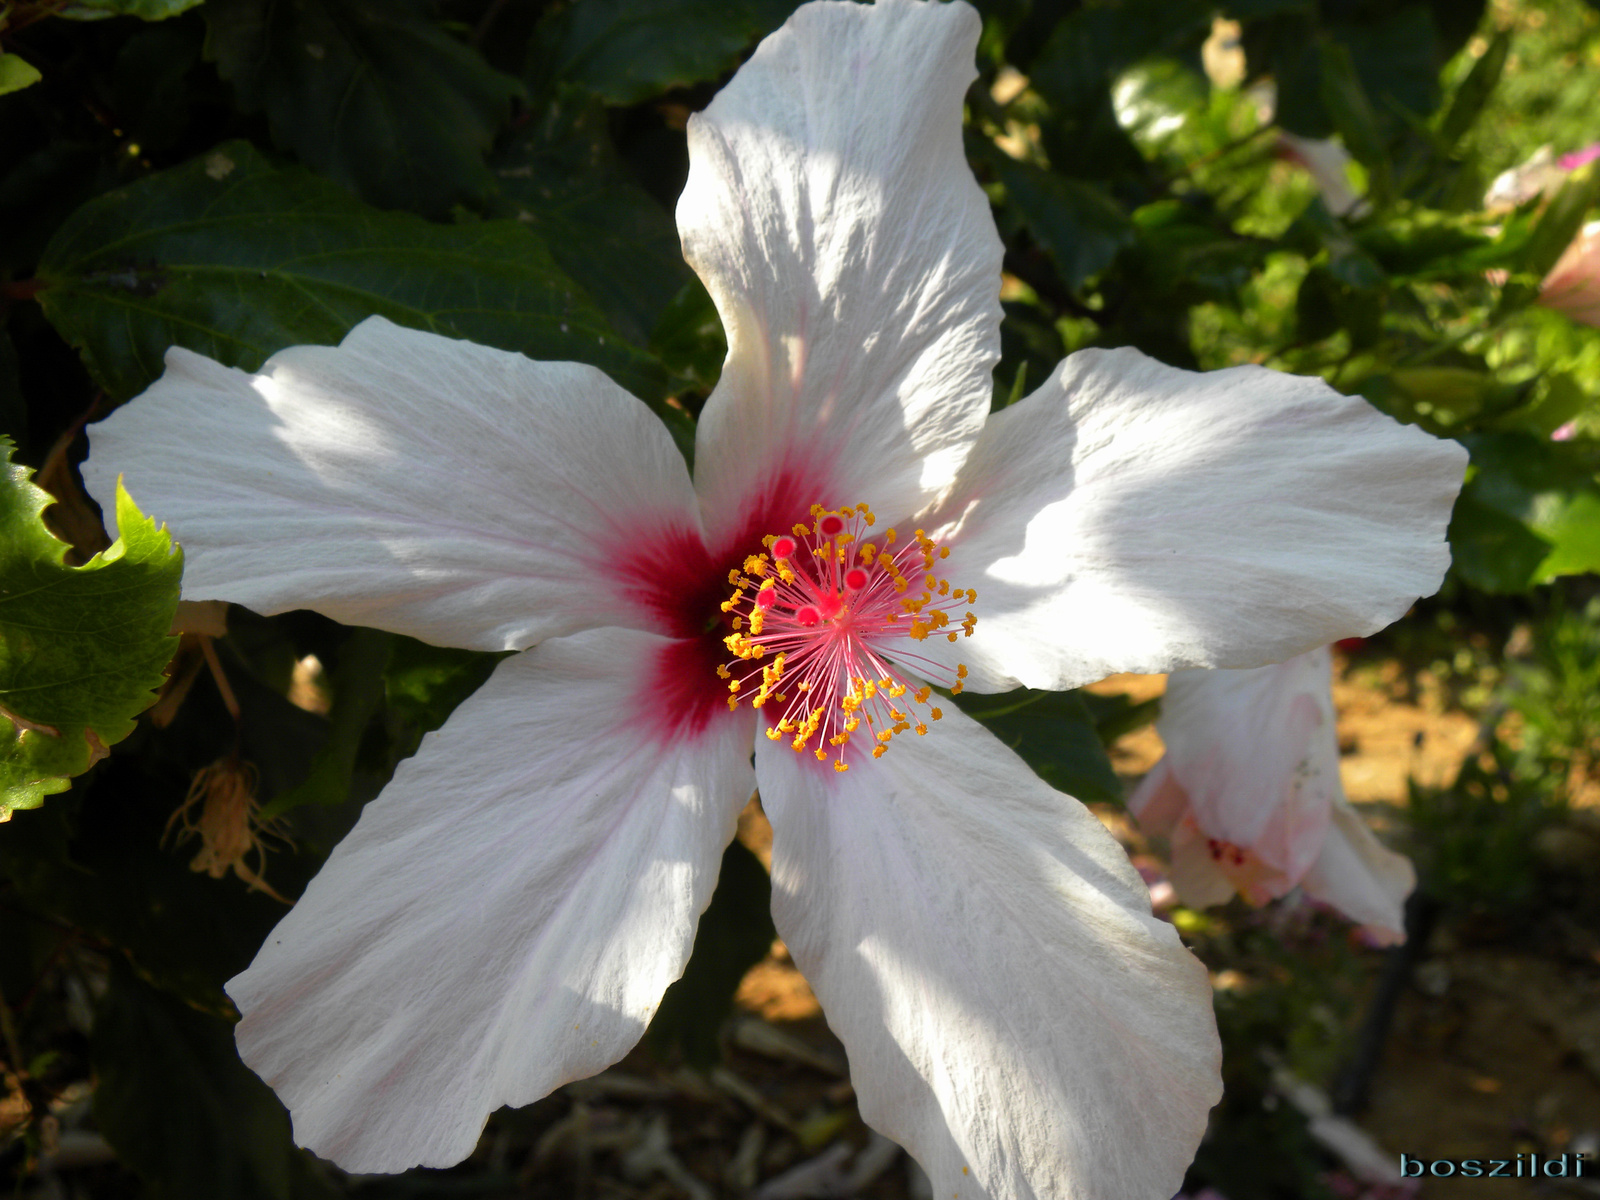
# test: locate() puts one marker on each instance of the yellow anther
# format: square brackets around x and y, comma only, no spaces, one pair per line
[867,552]
[733,577]
[950,637]
[885,736]
[888,537]
[738,622]
[756,564]
[877,751]
[801,531]
[944,551]
[958,688]
[972,596]
[921,695]
[816,510]
[774,733]
[841,765]
[723,672]
[898,689]
[922,728]
[734,686]
[919,631]
[821,754]
[944,587]
[733,703]
[961,670]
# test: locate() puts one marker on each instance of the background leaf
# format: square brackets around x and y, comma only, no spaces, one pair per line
[1055,734]
[183,1111]
[370,93]
[627,50]
[81,648]
[235,258]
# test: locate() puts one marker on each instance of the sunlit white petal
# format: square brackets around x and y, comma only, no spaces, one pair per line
[1129,516]
[831,212]
[415,483]
[1014,1015]
[505,916]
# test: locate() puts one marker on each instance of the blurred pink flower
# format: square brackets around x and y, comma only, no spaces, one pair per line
[1249,796]
[1573,285]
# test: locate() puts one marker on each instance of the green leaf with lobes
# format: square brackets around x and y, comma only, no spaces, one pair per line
[81,648]
[235,258]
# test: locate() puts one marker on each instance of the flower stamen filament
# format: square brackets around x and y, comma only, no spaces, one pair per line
[815,619]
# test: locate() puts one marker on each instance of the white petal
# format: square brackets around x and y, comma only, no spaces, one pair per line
[1257,752]
[831,212]
[1014,1015]
[415,483]
[504,917]
[1195,876]
[1129,516]
[1359,877]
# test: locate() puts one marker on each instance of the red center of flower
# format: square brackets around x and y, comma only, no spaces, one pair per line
[817,619]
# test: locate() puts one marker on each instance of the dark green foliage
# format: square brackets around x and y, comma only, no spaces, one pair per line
[1056,735]
[235,258]
[371,93]
[183,1111]
[625,51]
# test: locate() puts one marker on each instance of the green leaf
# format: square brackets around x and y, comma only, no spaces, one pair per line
[145,10]
[1056,735]
[1396,62]
[734,934]
[1075,222]
[424,683]
[16,73]
[625,51]
[177,1105]
[371,93]
[1468,103]
[1352,115]
[234,258]
[1075,68]
[1530,512]
[562,178]
[81,648]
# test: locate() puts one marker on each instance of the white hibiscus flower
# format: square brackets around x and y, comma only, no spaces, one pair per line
[1248,792]
[505,916]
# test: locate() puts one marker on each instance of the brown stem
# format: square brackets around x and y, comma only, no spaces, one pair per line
[230,702]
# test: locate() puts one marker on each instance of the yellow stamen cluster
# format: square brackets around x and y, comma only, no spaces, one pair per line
[826,604]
